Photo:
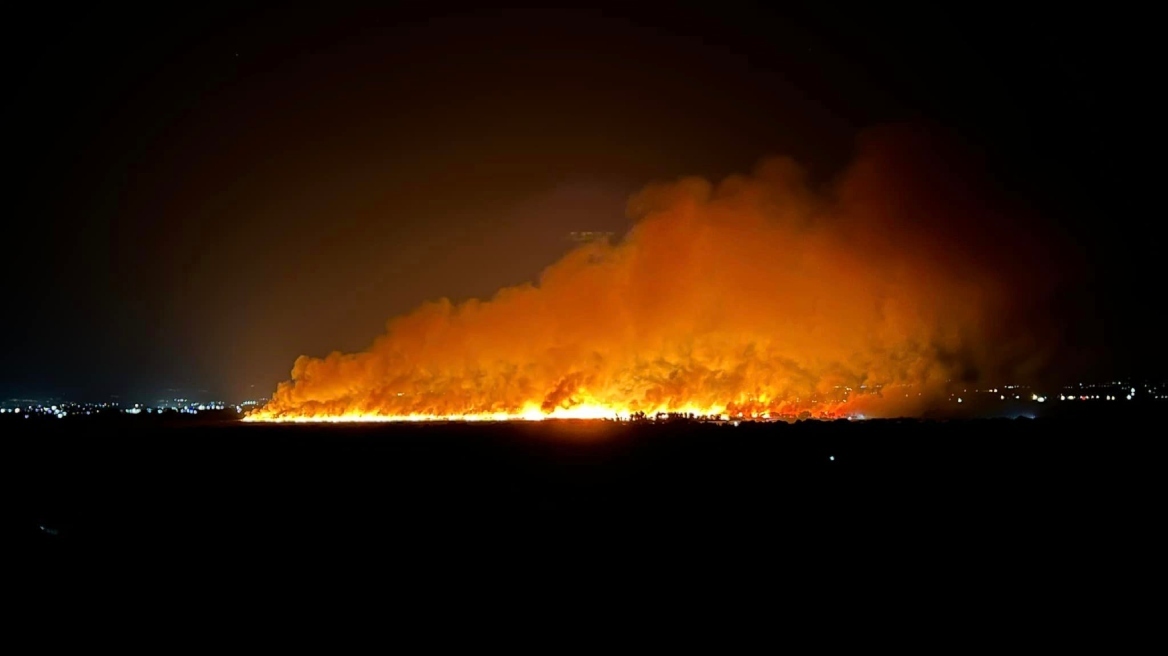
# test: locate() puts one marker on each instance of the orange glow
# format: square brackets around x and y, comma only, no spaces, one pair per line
[582,411]
[752,298]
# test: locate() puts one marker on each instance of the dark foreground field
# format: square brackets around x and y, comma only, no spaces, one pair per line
[1073,499]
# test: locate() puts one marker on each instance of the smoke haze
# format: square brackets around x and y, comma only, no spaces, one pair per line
[755,294]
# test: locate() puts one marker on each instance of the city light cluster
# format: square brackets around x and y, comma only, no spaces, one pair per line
[29,408]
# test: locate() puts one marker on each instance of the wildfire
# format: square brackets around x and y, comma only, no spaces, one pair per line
[586,411]
[756,297]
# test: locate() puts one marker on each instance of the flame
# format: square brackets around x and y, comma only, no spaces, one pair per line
[756,297]
[583,411]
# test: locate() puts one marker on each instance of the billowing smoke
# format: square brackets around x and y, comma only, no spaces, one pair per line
[757,294]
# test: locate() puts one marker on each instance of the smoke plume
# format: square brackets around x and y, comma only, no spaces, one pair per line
[757,294]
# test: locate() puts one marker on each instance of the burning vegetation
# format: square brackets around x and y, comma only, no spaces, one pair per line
[758,296]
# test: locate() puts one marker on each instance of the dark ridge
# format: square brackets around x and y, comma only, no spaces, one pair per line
[532,498]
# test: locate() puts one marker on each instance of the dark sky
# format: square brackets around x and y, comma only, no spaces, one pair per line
[200,195]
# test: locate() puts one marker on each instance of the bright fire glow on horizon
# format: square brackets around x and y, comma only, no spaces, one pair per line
[532,413]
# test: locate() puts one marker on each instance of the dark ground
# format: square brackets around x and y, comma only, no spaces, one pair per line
[1060,505]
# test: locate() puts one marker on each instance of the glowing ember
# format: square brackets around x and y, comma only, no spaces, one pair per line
[752,298]
[532,413]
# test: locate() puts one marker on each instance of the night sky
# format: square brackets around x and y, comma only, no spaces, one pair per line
[199,196]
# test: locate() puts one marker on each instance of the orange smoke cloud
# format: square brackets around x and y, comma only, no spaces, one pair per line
[757,295]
